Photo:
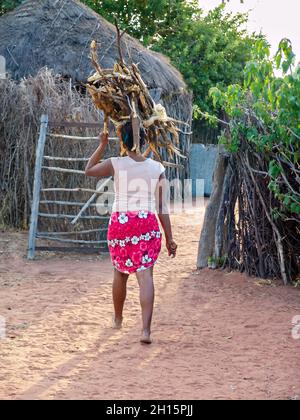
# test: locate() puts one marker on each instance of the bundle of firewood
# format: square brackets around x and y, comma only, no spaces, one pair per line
[123,96]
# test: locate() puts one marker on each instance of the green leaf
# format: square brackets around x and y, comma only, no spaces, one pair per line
[295,208]
[274,169]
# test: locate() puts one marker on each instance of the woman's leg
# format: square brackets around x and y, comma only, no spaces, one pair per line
[145,280]
[119,295]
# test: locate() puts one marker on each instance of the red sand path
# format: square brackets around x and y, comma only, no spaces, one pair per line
[216,334]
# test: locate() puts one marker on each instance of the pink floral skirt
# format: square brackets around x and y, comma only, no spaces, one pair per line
[134,240]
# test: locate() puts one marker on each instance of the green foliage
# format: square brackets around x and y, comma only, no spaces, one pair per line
[265,111]
[208,50]
[8,5]
[145,20]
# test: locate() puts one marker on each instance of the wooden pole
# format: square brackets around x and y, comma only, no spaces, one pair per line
[206,245]
[63,170]
[82,249]
[78,232]
[37,186]
[65,203]
[65,136]
[90,190]
[71,216]
[70,241]
[65,159]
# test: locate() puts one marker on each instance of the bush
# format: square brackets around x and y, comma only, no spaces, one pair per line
[262,133]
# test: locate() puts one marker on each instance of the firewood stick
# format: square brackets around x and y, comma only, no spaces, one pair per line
[105,126]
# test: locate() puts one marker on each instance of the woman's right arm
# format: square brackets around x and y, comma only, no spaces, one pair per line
[96,169]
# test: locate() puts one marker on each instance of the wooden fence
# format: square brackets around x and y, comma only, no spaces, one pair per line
[54,164]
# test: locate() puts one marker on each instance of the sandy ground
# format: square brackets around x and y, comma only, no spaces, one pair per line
[216,335]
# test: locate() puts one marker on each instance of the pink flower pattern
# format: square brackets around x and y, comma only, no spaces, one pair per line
[134,240]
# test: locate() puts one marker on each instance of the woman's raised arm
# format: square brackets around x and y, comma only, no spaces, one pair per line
[98,169]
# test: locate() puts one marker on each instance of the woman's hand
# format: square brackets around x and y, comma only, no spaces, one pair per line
[95,167]
[171,247]
[103,138]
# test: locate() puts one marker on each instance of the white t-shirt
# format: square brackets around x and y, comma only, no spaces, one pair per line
[135,183]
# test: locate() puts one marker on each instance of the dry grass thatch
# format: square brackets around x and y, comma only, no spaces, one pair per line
[58,34]
[21,106]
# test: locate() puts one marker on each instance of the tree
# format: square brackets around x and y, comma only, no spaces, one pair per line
[146,20]
[8,5]
[209,51]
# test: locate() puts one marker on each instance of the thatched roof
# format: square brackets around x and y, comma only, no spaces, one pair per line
[57,34]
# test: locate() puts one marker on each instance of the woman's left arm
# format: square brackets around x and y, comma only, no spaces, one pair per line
[98,169]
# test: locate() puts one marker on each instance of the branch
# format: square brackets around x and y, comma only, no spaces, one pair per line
[119,38]
[287,182]
[206,115]
[293,133]
[276,231]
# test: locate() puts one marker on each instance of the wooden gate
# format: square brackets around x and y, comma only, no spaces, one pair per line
[54,164]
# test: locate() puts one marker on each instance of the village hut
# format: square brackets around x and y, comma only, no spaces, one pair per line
[58,34]
[46,46]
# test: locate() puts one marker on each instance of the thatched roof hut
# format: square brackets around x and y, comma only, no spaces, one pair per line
[43,34]
[57,34]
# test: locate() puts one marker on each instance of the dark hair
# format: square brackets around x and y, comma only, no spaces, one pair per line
[127,135]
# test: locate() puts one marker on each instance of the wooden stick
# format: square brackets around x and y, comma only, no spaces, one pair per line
[71,216]
[37,186]
[65,203]
[147,151]
[71,241]
[79,232]
[76,190]
[66,159]
[95,58]
[65,136]
[274,227]
[173,165]
[119,38]
[63,170]
[106,122]
[81,249]
[92,198]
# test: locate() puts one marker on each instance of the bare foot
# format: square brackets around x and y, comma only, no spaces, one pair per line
[145,337]
[117,323]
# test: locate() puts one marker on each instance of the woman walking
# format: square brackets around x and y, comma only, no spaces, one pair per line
[134,237]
